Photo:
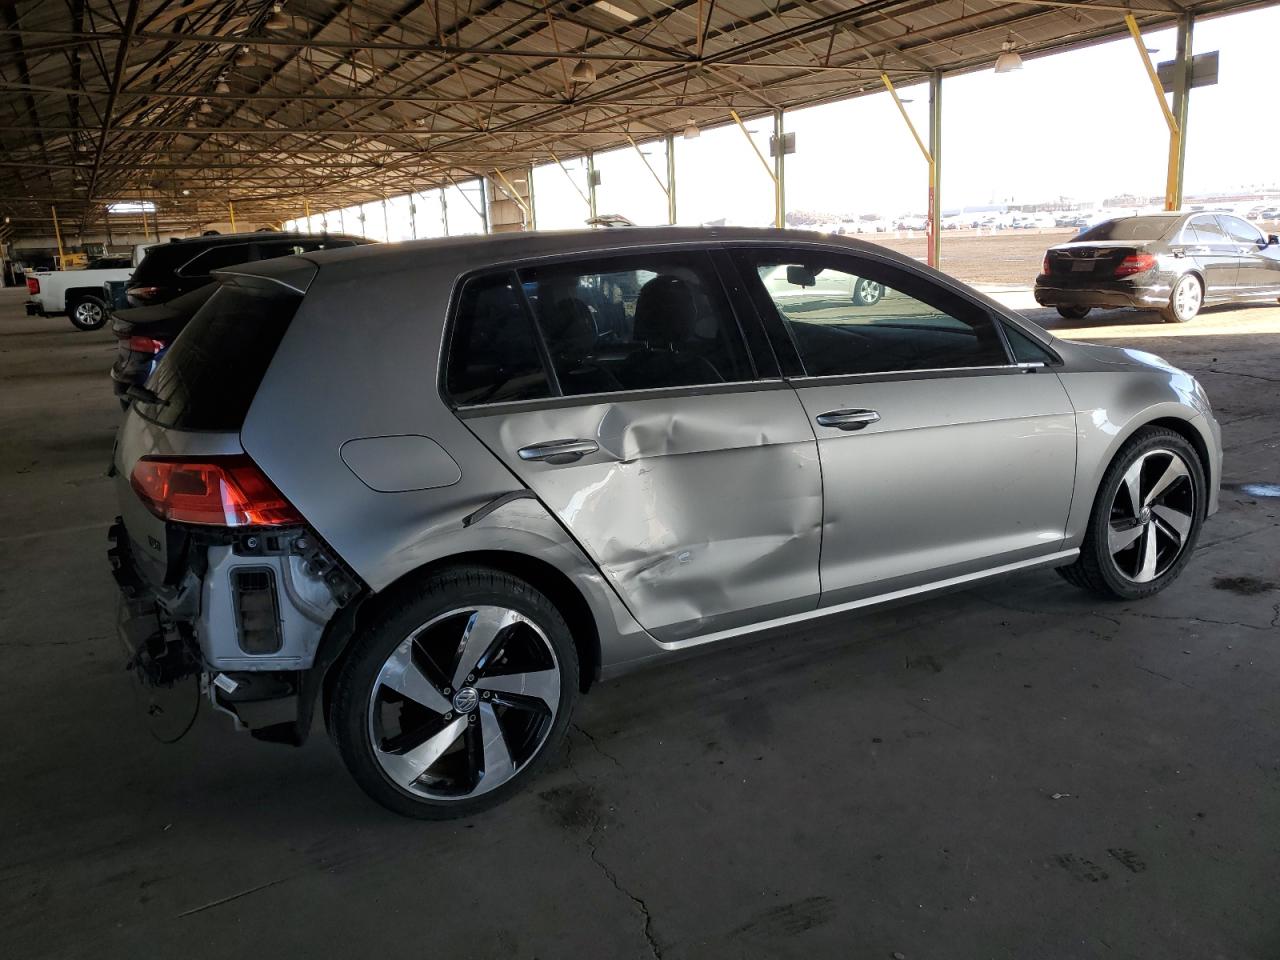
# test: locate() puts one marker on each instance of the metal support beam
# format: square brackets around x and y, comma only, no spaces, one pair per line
[1173,177]
[935,152]
[1182,70]
[57,232]
[768,168]
[928,156]
[591,183]
[671,179]
[779,173]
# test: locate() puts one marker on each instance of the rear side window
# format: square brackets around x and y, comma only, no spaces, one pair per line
[494,354]
[208,378]
[215,258]
[1204,230]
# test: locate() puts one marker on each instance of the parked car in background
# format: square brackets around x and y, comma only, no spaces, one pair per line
[1171,262]
[77,294]
[180,266]
[436,490]
[143,334]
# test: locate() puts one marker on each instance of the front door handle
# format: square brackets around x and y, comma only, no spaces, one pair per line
[558,451]
[847,419]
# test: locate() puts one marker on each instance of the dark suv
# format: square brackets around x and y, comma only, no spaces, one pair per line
[170,285]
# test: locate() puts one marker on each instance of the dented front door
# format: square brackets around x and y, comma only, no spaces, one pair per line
[703,506]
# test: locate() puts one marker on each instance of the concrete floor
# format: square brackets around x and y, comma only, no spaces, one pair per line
[1016,771]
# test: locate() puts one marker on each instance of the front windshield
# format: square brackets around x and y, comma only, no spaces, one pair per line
[1129,228]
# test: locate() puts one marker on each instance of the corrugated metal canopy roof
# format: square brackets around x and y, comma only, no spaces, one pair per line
[342,101]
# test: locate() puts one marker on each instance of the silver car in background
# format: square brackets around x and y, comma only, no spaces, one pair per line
[436,490]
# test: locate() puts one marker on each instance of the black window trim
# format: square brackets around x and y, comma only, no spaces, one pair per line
[734,300]
[755,289]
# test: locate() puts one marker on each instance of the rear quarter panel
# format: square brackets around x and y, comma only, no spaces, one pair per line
[360,361]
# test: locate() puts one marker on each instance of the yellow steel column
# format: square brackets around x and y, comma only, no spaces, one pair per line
[933,167]
[57,232]
[231,209]
[1174,175]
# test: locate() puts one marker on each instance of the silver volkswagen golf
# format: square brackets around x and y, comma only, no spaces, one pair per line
[434,491]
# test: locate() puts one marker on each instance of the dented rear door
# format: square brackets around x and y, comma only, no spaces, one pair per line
[702,506]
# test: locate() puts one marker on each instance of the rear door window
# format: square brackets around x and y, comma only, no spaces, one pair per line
[208,378]
[1204,230]
[639,322]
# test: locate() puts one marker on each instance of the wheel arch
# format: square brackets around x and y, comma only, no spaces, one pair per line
[558,587]
[79,293]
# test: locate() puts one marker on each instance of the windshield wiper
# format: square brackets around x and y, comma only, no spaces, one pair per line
[144,395]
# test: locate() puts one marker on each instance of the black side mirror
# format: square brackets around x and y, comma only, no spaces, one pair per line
[800,276]
[1272,240]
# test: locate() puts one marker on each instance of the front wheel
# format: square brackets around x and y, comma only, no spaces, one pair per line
[1146,518]
[455,694]
[1073,311]
[88,313]
[867,292]
[1185,300]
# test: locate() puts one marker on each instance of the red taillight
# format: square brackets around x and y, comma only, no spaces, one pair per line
[1135,263]
[146,345]
[142,293]
[214,491]
[33,286]
[1044,265]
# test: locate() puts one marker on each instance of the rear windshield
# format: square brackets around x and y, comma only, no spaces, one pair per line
[1129,228]
[208,378]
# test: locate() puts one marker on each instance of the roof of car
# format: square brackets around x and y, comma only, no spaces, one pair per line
[480,250]
[220,238]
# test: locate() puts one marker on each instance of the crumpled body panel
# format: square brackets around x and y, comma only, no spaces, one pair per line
[704,509]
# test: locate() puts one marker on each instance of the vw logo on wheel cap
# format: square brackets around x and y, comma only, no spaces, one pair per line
[465,700]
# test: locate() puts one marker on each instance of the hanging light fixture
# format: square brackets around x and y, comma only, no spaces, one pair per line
[205,107]
[278,20]
[245,58]
[191,123]
[691,131]
[221,86]
[1008,61]
[583,72]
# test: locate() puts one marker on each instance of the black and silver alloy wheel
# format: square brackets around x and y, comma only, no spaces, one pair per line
[464,702]
[1151,515]
[1146,518]
[454,692]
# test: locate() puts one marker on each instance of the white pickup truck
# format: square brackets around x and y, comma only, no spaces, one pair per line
[77,294]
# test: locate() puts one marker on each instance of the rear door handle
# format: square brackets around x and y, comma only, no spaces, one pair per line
[558,451]
[847,419]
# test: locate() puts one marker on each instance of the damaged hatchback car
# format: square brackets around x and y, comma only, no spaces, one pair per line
[432,492]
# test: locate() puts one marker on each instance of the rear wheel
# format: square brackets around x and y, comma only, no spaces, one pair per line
[87,312]
[1146,518]
[867,292]
[1185,300]
[1073,311]
[454,696]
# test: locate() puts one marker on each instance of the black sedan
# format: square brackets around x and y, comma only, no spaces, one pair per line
[1172,262]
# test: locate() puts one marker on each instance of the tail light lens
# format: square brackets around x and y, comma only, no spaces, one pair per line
[146,344]
[33,286]
[1135,263]
[212,491]
[143,293]
[1044,265]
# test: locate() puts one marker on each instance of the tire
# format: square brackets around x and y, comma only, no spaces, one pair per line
[503,727]
[1073,312]
[87,312]
[867,293]
[1158,534]
[1185,300]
